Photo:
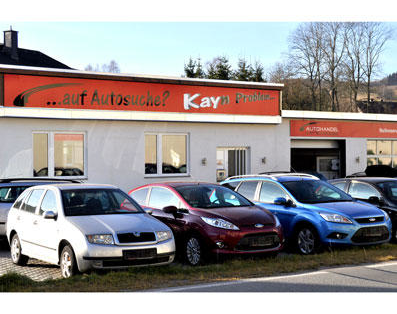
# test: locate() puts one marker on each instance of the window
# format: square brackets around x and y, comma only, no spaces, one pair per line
[382,152]
[231,161]
[161,197]
[340,185]
[231,185]
[9,194]
[58,154]
[140,196]
[362,190]
[32,201]
[247,189]
[166,154]
[49,203]
[270,191]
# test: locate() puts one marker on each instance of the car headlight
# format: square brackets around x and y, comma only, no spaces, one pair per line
[163,235]
[336,218]
[219,223]
[100,239]
[387,217]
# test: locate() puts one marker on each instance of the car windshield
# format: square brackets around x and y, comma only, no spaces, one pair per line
[9,194]
[315,191]
[211,196]
[81,202]
[389,189]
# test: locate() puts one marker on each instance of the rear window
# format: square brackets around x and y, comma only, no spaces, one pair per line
[10,193]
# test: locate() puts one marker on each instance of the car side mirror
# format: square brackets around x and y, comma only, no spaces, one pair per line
[148,211]
[376,200]
[170,210]
[49,214]
[283,201]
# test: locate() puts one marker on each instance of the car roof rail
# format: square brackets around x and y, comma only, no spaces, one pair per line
[273,175]
[8,180]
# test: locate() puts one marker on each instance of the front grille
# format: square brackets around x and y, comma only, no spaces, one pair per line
[139,237]
[139,254]
[258,241]
[137,262]
[371,234]
[370,220]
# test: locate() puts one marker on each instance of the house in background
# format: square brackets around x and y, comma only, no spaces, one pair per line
[11,54]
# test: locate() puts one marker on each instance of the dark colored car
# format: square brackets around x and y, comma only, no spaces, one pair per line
[208,219]
[10,189]
[378,191]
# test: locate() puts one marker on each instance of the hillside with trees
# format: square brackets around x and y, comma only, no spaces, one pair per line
[329,66]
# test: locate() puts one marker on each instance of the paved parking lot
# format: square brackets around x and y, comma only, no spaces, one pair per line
[36,270]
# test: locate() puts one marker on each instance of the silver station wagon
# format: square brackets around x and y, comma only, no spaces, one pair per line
[84,226]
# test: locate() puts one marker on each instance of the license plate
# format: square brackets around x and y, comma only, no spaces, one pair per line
[261,241]
[139,254]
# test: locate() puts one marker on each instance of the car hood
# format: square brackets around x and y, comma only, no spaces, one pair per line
[353,209]
[241,216]
[121,223]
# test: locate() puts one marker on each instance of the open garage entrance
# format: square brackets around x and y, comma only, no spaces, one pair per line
[326,157]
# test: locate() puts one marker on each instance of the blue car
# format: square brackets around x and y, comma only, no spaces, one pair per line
[312,212]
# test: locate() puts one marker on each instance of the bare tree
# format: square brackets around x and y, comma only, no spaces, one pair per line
[333,48]
[111,67]
[375,36]
[353,59]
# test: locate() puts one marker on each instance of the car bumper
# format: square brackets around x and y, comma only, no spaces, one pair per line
[123,256]
[245,241]
[356,234]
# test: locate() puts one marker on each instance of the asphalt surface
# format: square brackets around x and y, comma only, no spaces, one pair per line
[380,277]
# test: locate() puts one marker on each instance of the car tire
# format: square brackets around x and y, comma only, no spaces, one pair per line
[16,252]
[67,262]
[193,250]
[306,240]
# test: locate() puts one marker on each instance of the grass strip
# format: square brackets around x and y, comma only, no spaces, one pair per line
[176,274]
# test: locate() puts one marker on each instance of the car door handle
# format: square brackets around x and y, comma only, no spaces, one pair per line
[35,222]
[18,217]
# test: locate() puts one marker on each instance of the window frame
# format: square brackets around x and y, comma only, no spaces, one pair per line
[376,155]
[51,154]
[159,155]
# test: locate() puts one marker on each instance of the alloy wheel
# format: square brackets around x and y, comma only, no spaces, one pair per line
[193,251]
[66,264]
[15,250]
[306,241]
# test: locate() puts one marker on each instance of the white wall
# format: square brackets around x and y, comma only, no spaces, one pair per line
[115,149]
[356,147]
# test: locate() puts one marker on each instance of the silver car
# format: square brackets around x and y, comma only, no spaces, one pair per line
[82,226]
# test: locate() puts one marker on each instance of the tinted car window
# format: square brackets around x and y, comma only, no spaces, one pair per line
[315,191]
[32,201]
[231,185]
[270,191]
[48,203]
[362,190]
[339,185]
[81,202]
[161,197]
[10,193]
[247,189]
[389,189]
[208,196]
[140,196]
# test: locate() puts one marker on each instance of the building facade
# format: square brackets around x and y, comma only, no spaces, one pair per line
[131,130]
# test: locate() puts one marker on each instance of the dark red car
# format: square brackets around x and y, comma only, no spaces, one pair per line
[209,219]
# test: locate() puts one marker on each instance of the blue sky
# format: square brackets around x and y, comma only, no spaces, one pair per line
[162,48]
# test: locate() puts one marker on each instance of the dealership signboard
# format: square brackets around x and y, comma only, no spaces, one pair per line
[39,91]
[327,128]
